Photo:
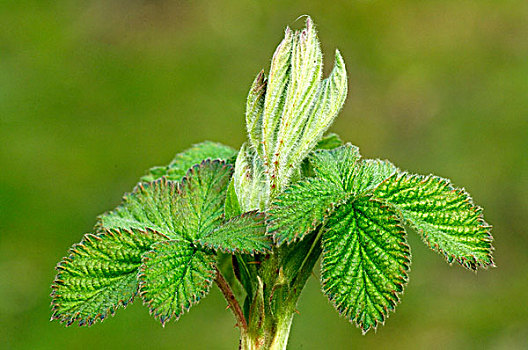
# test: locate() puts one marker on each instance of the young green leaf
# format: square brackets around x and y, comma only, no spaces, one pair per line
[202,198]
[99,275]
[249,180]
[364,262]
[301,208]
[337,165]
[370,173]
[231,206]
[339,175]
[245,234]
[330,100]
[445,217]
[183,161]
[254,112]
[304,81]
[174,276]
[329,141]
[306,204]
[277,85]
[183,210]
[151,205]
[288,114]
[343,166]
[166,237]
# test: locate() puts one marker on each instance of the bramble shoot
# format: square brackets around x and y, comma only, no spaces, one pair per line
[255,221]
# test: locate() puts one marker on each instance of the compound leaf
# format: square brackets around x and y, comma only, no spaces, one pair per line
[444,216]
[182,210]
[305,205]
[183,161]
[301,208]
[245,234]
[150,205]
[99,275]
[365,260]
[173,277]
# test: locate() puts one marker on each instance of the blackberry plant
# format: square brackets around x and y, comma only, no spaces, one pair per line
[255,221]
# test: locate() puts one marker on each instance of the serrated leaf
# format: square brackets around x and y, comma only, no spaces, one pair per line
[182,210]
[301,208]
[151,205]
[329,141]
[183,161]
[344,167]
[364,261]
[370,173]
[305,205]
[173,277]
[202,198]
[245,234]
[99,275]
[444,216]
[337,165]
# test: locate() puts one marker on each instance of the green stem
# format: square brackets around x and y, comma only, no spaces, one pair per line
[281,279]
[280,340]
[272,336]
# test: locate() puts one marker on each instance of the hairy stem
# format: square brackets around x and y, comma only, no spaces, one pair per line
[231,300]
[282,277]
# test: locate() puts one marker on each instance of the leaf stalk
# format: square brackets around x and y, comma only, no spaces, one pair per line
[226,290]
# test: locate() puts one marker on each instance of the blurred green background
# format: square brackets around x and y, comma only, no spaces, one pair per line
[93,93]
